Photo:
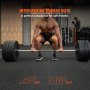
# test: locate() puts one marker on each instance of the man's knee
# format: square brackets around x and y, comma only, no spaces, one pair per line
[54,39]
[38,39]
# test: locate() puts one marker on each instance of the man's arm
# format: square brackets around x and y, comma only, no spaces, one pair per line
[58,34]
[36,31]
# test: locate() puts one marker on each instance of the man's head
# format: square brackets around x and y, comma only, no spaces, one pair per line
[46,7]
[75,18]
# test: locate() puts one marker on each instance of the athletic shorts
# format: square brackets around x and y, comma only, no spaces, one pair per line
[47,37]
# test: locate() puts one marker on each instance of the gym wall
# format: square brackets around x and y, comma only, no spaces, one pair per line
[82,13]
[11,22]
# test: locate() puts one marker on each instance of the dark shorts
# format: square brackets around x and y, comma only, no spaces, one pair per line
[47,37]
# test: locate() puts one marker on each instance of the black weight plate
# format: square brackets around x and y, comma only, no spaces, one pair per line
[82,54]
[4,50]
[88,48]
[10,51]
[13,54]
[77,50]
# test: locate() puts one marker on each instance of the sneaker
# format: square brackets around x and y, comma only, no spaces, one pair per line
[54,57]
[39,58]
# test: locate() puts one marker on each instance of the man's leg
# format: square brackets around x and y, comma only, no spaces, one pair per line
[55,42]
[54,45]
[38,46]
[38,41]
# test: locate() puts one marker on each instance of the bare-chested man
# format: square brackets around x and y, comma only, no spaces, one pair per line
[47,29]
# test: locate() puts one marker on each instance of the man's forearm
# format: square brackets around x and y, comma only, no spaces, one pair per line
[33,42]
[60,42]
[34,37]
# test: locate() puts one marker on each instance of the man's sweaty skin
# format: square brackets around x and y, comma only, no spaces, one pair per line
[47,25]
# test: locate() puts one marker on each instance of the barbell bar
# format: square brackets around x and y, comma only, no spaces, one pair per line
[46,50]
[10,50]
[20,50]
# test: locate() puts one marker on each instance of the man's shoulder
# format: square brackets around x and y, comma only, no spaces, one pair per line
[52,19]
[38,23]
[54,22]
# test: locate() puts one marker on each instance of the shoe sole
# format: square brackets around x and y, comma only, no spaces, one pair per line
[39,59]
[54,59]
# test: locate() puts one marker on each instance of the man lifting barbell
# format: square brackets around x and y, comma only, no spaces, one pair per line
[49,31]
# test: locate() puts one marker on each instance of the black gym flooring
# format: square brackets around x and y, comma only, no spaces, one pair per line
[28,74]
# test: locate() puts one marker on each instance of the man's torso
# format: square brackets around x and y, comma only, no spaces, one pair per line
[47,26]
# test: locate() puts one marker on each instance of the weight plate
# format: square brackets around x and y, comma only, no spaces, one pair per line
[89,48]
[4,50]
[9,51]
[82,53]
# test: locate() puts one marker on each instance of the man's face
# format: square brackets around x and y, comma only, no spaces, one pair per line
[46,14]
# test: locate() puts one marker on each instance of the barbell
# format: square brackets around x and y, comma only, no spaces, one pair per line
[44,50]
[10,50]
